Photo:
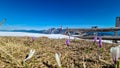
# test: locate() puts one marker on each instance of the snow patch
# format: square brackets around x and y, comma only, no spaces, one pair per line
[20,34]
[53,36]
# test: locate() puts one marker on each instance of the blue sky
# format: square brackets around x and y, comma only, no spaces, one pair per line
[42,14]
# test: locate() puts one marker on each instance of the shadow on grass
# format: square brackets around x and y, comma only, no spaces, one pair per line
[108,66]
[48,65]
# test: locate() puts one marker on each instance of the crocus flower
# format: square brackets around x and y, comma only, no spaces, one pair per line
[33,39]
[30,55]
[57,57]
[67,42]
[95,38]
[115,53]
[84,63]
[100,42]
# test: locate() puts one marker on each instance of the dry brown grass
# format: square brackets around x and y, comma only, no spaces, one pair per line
[13,51]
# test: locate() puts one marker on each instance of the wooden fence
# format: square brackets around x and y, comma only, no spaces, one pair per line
[115,38]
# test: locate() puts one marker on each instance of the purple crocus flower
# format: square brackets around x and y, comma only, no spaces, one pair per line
[100,42]
[95,38]
[67,42]
[33,39]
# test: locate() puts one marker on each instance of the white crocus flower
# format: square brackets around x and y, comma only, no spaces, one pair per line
[115,51]
[30,55]
[84,63]
[119,49]
[57,57]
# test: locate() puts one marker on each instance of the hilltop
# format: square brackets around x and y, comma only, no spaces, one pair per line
[13,51]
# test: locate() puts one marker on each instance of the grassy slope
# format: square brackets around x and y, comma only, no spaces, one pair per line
[13,50]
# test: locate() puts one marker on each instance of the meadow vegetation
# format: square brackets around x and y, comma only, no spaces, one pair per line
[13,51]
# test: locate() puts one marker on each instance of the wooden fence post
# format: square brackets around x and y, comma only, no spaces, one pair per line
[117,25]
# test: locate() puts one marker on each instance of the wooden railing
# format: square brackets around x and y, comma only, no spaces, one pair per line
[83,30]
[95,29]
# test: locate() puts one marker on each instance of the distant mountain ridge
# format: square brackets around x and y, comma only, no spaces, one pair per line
[49,31]
[58,31]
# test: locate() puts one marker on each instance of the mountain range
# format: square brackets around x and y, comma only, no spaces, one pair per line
[49,31]
[59,31]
